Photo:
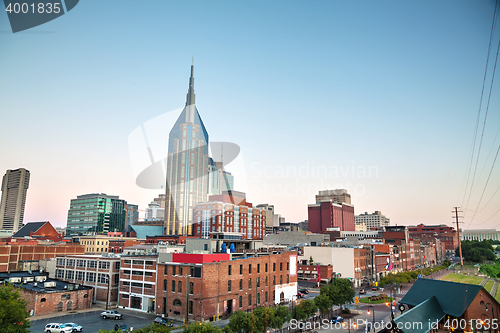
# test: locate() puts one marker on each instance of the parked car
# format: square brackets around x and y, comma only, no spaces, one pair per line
[375,288]
[111,314]
[121,328]
[76,327]
[337,319]
[57,328]
[362,292]
[163,321]
[304,291]
[300,295]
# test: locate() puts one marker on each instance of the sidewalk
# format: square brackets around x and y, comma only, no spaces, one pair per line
[95,308]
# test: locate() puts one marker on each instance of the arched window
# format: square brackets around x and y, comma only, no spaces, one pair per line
[179,286]
[173,286]
[177,302]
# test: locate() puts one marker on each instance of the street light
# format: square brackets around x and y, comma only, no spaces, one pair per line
[373,313]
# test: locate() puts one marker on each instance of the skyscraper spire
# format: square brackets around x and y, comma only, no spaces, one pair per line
[190,95]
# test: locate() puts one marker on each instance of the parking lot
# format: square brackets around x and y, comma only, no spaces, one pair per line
[92,321]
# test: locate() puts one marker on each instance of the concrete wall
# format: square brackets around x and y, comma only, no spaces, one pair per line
[342,259]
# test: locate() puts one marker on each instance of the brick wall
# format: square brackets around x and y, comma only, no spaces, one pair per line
[45,303]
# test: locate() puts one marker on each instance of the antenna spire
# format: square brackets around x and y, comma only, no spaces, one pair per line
[190,95]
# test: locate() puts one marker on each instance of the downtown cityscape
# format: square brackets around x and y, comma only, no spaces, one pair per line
[250,167]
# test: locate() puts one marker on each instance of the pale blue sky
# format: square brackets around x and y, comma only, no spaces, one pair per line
[391,85]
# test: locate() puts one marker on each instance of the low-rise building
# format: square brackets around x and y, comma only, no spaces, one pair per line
[97,244]
[138,282]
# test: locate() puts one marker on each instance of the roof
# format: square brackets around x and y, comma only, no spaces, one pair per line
[421,318]
[453,297]
[59,286]
[142,231]
[28,228]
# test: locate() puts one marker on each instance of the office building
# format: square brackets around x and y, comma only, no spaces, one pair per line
[96,213]
[328,214]
[375,220]
[138,282]
[187,167]
[338,196]
[14,189]
[479,234]
[132,214]
[219,180]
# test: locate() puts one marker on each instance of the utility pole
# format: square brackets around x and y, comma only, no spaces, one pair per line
[458,236]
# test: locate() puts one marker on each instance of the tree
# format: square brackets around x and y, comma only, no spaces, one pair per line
[240,322]
[298,313]
[13,312]
[339,291]
[323,302]
[309,306]
[201,327]
[153,328]
[281,316]
[311,260]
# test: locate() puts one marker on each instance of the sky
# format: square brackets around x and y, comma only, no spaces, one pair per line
[378,97]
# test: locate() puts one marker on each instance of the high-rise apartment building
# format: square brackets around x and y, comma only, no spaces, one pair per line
[338,196]
[375,220]
[95,213]
[14,188]
[187,167]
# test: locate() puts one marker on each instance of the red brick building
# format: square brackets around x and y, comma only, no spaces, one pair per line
[92,271]
[12,254]
[39,231]
[211,285]
[117,245]
[329,214]
[310,273]
[138,282]
[447,235]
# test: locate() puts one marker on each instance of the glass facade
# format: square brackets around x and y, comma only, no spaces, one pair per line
[96,213]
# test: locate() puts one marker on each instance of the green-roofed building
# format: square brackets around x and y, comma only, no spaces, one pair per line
[435,301]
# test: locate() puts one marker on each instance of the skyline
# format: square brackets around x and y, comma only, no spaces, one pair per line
[380,99]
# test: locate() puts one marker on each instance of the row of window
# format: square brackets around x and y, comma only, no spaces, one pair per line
[257,282]
[179,286]
[193,271]
[138,273]
[86,263]
[138,262]
[137,284]
[229,268]
[82,276]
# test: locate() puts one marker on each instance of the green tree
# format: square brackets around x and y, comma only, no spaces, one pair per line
[309,306]
[281,316]
[200,327]
[13,313]
[240,322]
[298,313]
[311,260]
[339,291]
[323,302]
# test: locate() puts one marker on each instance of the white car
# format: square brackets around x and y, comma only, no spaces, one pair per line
[76,327]
[111,314]
[57,328]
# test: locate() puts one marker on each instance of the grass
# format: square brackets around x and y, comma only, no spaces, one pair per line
[454,277]
[381,301]
[488,286]
[497,296]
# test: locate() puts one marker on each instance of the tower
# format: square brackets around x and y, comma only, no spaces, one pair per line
[187,167]
[14,189]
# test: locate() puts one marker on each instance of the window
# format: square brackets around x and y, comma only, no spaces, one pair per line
[117,265]
[60,274]
[287,279]
[137,262]
[266,281]
[258,299]
[166,270]
[127,262]
[42,300]
[173,286]
[229,285]
[102,278]
[287,266]
[138,273]
[281,279]
[250,269]
[257,281]
[191,288]
[90,277]
[274,280]
[103,264]
[274,267]
[190,307]
[241,301]
[177,302]
[165,285]
[126,283]
[117,279]
[174,268]
[241,284]
[266,267]
[80,263]
[79,276]
[149,263]
[148,286]
[250,300]
[179,286]
[148,273]
[265,298]
[70,262]
[258,268]
[180,270]
[60,262]
[241,269]
[92,264]
[70,275]
[125,296]
[250,283]
[281,267]
[229,270]
[136,284]
[126,271]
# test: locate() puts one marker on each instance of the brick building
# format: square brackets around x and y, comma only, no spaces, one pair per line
[446,235]
[13,254]
[330,214]
[310,272]
[92,271]
[117,245]
[229,214]
[45,295]
[138,282]
[40,231]
[207,286]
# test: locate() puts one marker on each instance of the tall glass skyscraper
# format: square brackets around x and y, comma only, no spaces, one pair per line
[187,167]
[95,213]
[14,189]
